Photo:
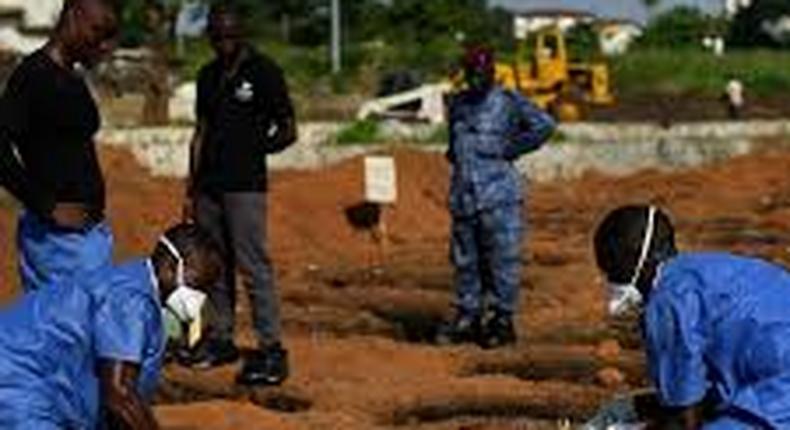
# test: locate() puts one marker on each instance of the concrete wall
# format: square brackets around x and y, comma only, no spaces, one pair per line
[36,15]
[165,151]
[40,13]
[615,149]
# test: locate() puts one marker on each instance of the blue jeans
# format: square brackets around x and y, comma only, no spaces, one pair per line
[50,255]
[486,252]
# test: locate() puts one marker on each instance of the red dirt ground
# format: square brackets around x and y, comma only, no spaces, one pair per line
[357,335]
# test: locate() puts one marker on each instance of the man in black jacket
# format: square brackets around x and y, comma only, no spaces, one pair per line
[244,113]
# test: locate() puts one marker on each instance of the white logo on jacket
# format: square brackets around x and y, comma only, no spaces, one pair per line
[244,92]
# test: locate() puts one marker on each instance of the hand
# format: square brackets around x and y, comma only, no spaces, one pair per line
[70,215]
[188,210]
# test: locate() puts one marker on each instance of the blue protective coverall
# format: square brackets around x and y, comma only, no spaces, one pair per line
[487,134]
[719,325]
[51,341]
[50,255]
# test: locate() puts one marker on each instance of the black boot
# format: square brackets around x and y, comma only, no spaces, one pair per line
[461,329]
[213,353]
[268,366]
[499,331]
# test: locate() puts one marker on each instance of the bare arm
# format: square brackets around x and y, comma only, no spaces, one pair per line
[195,148]
[121,399]
[691,417]
[202,108]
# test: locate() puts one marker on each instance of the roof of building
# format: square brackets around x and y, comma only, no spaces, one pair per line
[623,22]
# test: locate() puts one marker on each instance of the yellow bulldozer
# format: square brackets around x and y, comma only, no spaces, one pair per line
[542,70]
[548,77]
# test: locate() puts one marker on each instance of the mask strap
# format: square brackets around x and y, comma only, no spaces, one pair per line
[649,230]
[179,260]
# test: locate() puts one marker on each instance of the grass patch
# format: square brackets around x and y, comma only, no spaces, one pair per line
[440,135]
[678,71]
[371,131]
[359,133]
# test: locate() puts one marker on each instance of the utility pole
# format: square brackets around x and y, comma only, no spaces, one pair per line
[336,54]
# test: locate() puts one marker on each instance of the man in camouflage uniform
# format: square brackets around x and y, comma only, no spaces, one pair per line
[490,128]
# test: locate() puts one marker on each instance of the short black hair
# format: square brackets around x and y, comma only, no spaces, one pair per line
[226,8]
[110,6]
[619,237]
[190,240]
[231,10]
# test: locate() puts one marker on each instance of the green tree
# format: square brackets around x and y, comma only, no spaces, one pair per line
[651,5]
[149,23]
[423,21]
[677,27]
[583,42]
[132,17]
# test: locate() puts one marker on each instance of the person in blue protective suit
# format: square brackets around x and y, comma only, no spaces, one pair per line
[716,325]
[490,128]
[87,354]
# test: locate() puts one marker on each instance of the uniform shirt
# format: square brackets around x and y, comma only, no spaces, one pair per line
[719,325]
[488,133]
[51,341]
[48,117]
[239,111]
[128,321]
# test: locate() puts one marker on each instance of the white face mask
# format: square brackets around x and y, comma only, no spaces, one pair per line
[624,297]
[186,303]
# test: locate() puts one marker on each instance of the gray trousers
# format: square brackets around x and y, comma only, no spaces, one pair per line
[237,221]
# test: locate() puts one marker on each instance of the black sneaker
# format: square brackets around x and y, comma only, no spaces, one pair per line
[214,354]
[266,367]
[461,329]
[499,331]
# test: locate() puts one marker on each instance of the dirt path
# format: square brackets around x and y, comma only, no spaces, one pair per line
[666,108]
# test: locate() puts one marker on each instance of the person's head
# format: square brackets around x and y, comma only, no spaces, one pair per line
[225,31]
[187,262]
[630,244]
[479,68]
[87,31]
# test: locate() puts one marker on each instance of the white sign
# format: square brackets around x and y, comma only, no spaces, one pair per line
[380,180]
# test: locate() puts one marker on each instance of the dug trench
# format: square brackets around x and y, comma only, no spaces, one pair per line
[559,365]
[173,390]
[405,311]
[490,411]
[575,371]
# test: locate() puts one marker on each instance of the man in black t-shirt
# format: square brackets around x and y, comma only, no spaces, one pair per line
[244,113]
[48,158]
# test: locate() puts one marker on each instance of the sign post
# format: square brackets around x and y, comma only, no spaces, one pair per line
[381,188]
